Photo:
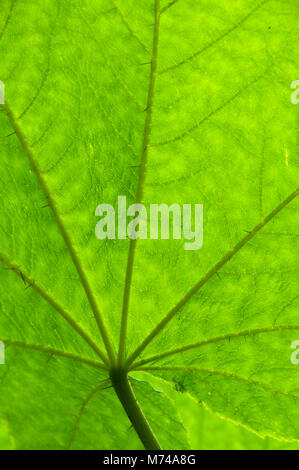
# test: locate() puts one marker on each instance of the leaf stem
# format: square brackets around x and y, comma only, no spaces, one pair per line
[125,393]
[143,162]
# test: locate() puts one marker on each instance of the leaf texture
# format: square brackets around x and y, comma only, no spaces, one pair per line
[181,102]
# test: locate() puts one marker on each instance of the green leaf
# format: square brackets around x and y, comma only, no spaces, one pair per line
[180,102]
[6,442]
[211,432]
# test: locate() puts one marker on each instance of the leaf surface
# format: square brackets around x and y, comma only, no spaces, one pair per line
[164,102]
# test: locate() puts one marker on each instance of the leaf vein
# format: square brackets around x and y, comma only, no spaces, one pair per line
[215,41]
[142,172]
[133,34]
[53,352]
[31,283]
[229,336]
[12,4]
[65,235]
[229,255]
[101,386]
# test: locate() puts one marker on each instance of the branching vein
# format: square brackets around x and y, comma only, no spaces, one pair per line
[133,34]
[31,282]
[215,41]
[12,4]
[229,255]
[65,235]
[229,336]
[143,163]
[53,352]
[102,385]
